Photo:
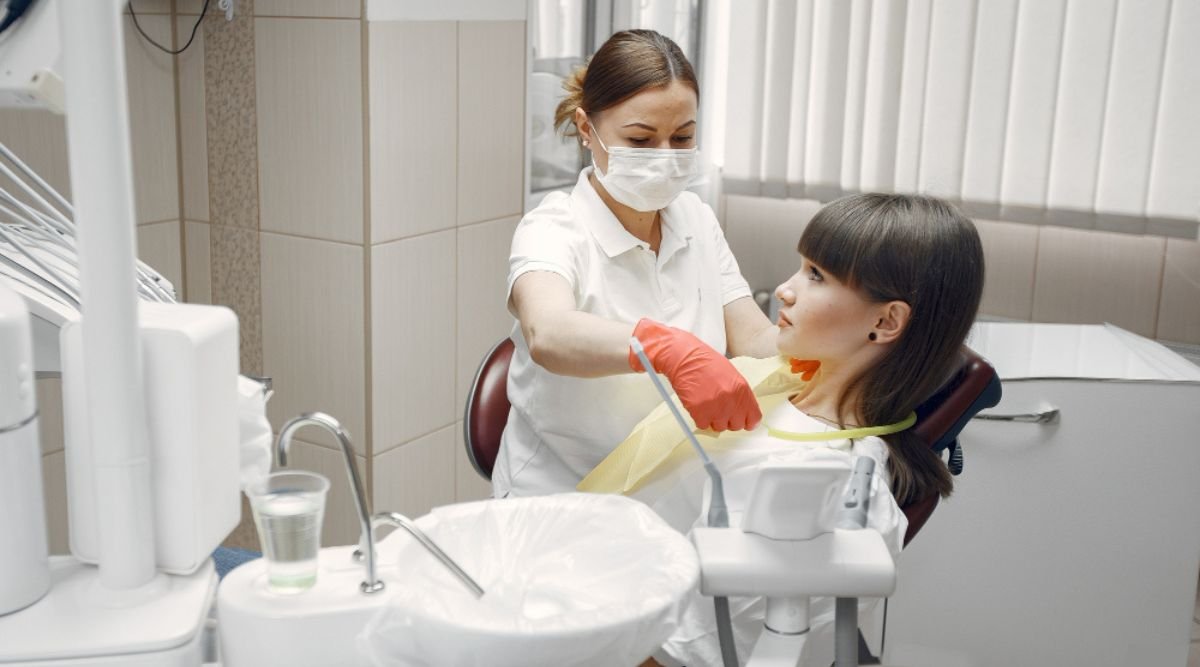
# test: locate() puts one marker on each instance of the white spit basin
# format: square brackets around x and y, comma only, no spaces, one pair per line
[571,579]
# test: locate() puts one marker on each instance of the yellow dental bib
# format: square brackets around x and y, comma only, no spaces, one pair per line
[656,441]
[657,437]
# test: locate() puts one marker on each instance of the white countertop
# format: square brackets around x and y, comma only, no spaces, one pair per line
[1021,350]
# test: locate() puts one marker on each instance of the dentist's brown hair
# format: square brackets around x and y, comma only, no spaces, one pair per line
[922,251]
[628,63]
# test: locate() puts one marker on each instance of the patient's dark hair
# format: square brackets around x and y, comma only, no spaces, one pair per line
[924,252]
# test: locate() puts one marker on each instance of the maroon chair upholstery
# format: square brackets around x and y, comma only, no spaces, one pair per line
[971,387]
[487,408]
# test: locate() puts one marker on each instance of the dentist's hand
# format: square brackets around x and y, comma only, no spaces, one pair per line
[711,389]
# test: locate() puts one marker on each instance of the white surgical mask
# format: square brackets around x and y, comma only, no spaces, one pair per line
[646,179]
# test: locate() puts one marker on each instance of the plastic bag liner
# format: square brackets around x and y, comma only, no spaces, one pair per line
[570,579]
[254,431]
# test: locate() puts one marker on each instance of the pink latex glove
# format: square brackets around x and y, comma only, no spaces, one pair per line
[711,389]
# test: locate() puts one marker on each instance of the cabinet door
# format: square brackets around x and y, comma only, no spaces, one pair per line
[1072,543]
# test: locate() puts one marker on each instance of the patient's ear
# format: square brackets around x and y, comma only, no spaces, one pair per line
[893,318]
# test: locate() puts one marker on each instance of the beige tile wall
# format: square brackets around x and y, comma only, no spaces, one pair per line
[39,138]
[414,138]
[412,313]
[418,476]
[762,233]
[1010,252]
[309,8]
[160,245]
[341,524]
[284,98]
[491,119]
[1085,276]
[482,315]
[310,151]
[193,130]
[54,480]
[151,75]
[1149,285]
[193,165]
[198,254]
[313,319]
[312,8]
[54,471]
[445,158]
[1179,311]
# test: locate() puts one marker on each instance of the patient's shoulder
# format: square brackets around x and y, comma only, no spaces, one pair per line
[874,447]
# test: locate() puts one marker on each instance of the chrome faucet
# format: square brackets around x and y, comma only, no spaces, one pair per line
[372,584]
[400,521]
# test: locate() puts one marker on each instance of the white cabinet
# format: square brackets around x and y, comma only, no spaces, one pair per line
[1070,543]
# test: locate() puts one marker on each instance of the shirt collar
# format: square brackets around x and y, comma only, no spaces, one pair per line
[612,236]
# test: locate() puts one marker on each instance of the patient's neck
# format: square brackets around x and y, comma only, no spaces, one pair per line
[822,397]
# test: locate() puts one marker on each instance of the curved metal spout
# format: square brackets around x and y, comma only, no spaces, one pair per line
[372,584]
[401,521]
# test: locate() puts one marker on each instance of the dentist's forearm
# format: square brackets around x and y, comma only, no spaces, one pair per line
[762,345]
[579,344]
[749,332]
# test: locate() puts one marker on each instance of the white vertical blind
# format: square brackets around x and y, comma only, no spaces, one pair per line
[881,101]
[747,68]
[987,116]
[801,69]
[1175,173]
[827,98]
[1133,90]
[1073,105]
[1031,100]
[912,94]
[856,82]
[944,130]
[780,45]
[1079,123]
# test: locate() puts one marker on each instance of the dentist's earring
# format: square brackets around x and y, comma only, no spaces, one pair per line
[586,143]
[871,336]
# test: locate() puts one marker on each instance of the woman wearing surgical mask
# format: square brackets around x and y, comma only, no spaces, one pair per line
[628,252]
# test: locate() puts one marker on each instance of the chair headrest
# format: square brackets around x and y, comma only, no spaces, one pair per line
[972,386]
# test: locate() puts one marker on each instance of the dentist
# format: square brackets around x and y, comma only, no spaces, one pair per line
[627,253]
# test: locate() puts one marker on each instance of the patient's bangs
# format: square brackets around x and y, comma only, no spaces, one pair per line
[830,242]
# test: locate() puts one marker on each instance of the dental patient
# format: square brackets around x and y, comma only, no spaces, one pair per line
[869,327]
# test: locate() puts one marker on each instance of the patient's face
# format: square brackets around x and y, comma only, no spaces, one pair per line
[822,318]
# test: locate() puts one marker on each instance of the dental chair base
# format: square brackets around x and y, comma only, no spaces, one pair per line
[78,624]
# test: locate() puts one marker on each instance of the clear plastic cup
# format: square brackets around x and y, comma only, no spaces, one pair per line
[288,508]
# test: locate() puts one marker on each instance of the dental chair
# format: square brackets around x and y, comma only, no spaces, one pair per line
[971,387]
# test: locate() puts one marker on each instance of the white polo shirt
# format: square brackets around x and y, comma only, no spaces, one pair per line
[560,427]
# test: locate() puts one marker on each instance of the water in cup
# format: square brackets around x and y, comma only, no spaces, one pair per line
[288,508]
[290,525]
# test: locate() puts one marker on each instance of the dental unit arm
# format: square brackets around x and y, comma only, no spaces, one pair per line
[783,553]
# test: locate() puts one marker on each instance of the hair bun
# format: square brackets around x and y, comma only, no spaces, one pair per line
[564,114]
